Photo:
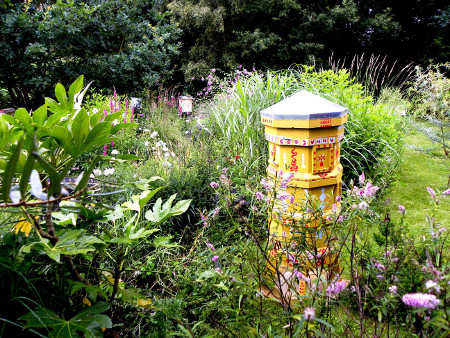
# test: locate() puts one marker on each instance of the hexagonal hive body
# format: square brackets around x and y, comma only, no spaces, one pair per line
[303,133]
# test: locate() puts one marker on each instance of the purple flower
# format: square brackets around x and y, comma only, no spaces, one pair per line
[380,266]
[446,192]
[209,245]
[215,258]
[224,180]
[334,208]
[336,288]
[362,178]
[216,212]
[338,198]
[363,205]
[421,300]
[214,185]
[259,195]
[402,209]
[431,192]
[213,70]
[265,184]
[430,285]
[309,313]
[369,190]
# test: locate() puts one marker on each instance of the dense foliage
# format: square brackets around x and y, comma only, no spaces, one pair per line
[276,34]
[128,45]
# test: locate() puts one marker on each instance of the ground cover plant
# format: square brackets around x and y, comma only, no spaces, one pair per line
[163,230]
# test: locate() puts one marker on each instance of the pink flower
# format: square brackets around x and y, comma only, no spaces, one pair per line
[338,199]
[334,208]
[214,185]
[361,178]
[259,195]
[446,192]
[215,258]
[309,313]
[216,212]
[213,70]
[431,192]
[336,288]
[402,209]
[209,245]
[421,300]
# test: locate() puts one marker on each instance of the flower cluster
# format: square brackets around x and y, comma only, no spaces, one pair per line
[336,288]
[421,300]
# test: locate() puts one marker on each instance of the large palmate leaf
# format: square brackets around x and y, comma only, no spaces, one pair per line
[71,242]
[87,323]
[161,213]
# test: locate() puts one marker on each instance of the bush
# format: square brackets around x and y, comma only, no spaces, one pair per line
[373,133]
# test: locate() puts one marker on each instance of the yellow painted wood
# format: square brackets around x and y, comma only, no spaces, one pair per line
[304,144]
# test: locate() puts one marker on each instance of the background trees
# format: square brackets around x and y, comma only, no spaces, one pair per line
[125,44]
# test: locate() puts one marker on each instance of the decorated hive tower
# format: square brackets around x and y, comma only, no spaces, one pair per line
[304,133]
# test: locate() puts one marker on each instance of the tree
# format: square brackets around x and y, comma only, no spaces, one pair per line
[125,44]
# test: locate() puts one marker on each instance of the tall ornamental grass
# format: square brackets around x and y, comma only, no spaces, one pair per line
[373,134]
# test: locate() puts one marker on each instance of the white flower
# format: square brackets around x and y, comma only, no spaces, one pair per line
[164,148]
[109,171]
[94,110]
[146,130]
[173,154]
[146,143]
[97,172]
[114,152]
[154,134]
[166,154]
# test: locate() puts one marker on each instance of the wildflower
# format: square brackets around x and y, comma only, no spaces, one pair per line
[421,300]
[224,170]
[259,195]
[380,266]
[334,208]
[265,184]
[338,198]
[145,130]
[216,212]
[204,219]
[340,219]
[213,70]
[224,180]
[209,245]
[215,258]
[309,313]
[209,83]
[430,285]
[154,134]
[97,172]
[218,270]
[431,192]
[369,190]
[363,205]
[23,226]
[336,288]
[146,143]
[214,185]
[402,209]
[393,289]
[114,152]
[446,192]
[172,154]
[361,178]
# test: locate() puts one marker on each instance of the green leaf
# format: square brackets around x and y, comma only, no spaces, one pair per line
[61,95]
[71,242]
[160,214]
[84,180]
[28,167]
[75,87]
[128,157]
[10,170]
[40,115]
[64,138]
[87,322]
[23,116]
[80,127]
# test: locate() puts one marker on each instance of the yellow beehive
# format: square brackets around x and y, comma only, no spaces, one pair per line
[304,133]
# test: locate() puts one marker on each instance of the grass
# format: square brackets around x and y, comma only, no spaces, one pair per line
[423,166]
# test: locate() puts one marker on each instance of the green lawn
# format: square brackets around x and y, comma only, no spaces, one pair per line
[423,166]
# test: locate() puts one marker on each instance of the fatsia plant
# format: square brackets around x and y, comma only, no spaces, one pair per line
[67,223]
